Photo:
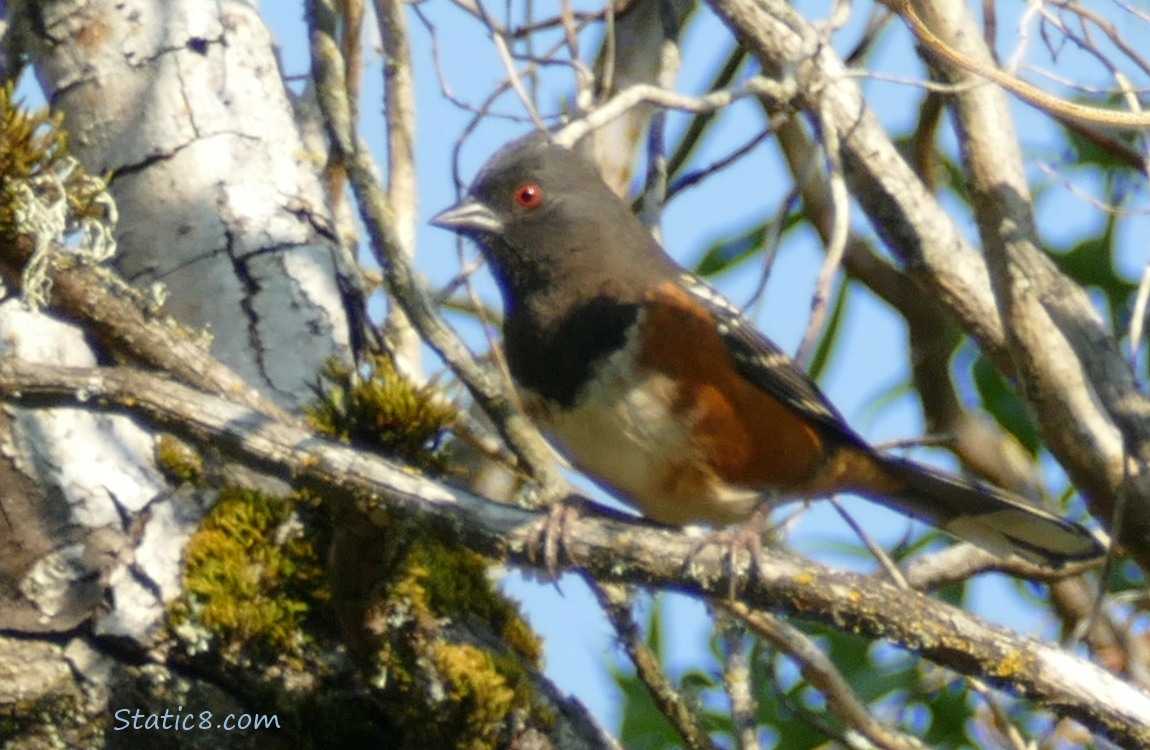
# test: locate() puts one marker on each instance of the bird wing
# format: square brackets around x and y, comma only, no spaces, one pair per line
[761,362]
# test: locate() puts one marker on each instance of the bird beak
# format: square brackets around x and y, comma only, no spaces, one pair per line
[469,216]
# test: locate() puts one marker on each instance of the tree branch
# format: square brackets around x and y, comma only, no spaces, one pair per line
[1065,359]
[484,384]
[616,604]
[818,669]
[120,319]
[607,547]
[402,191]
[1086,441]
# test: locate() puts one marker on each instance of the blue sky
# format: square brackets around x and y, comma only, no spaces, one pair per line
[869,364]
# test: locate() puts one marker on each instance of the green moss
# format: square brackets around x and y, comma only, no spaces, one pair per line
[440,689]
[252,575]
[478,698]
[33,146]
[178,460]
[253,582]
[454,582]
[380,409]
[49,720]
[473,688]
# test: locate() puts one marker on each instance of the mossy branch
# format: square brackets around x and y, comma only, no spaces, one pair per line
[614,549]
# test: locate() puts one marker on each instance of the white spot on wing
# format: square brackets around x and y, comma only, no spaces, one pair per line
[771,363]
[712,298]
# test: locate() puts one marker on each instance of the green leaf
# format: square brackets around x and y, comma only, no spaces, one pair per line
[830,335]
[728,253]
[1090,262]
[1004,405]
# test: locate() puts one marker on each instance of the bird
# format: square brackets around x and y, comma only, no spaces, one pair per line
[662,392]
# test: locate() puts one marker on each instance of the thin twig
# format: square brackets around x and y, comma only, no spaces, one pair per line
[872,546]
[513,76]
[584,80]
[773,238]
[961,561]
[822,674]
[1023,36]
[402,191]
[737,681]
[1138,317]
[836,242]
[483,110]
[1003,721]
[1059,175]
[696,176]
[616,603]
[486,387]
[645,93]
[607,74]
[655,192]
[699,123]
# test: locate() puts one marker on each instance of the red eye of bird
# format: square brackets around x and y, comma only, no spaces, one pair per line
[529,195]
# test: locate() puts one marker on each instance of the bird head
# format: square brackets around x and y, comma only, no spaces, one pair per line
[540,212]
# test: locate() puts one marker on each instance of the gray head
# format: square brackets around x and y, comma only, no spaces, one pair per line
[541,213]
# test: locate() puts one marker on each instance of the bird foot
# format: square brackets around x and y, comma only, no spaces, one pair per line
[750,536]
[551,537]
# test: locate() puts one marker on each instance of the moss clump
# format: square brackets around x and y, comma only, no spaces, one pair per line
[475,688]
[380,409]
[479,697]
[252,574]
[453,582]
[46,198]
[33,147]
[178,460]
[449,658]
[32,144]
[55,719]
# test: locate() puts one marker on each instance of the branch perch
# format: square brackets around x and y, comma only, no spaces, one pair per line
[609,548]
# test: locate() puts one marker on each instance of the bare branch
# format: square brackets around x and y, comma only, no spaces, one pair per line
[134,327]
[402,192]
[818,670]
[1138,315]
[887,564]
[737,682]
[513,76]
[1090,390]
[836,242]
[609,548]
[981,446]
[961,561]
[616,603]
[649,94]
[485,386]
[1065,358]
[946,49]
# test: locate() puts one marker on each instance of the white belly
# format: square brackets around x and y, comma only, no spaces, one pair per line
[622,434]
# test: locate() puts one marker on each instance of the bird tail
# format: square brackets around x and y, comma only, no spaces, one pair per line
[1000,522]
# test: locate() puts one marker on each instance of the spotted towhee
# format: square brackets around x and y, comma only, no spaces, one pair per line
[662,392]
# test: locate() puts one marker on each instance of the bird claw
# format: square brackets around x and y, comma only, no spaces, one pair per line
[552,535]
[750,535]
